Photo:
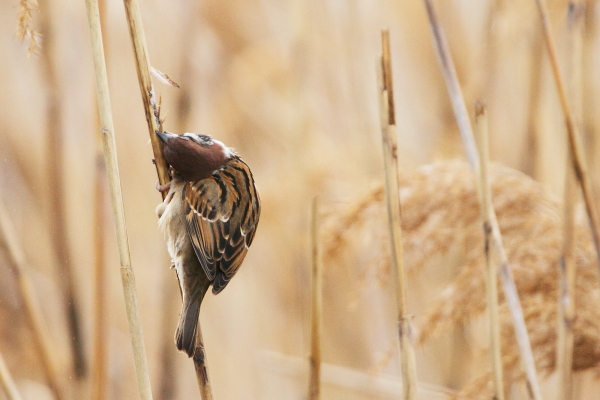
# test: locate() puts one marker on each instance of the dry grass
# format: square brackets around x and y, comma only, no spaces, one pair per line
[441,220]
[291,86]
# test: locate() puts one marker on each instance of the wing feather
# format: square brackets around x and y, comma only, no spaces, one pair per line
[222,213]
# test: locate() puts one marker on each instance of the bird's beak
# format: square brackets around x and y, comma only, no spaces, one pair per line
[165,136]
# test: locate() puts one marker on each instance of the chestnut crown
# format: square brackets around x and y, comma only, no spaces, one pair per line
[194,156]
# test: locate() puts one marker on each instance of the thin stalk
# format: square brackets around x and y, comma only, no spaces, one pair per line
[136,30]
[506,276]
[314,388]
[99,365]
[485,200]
[33,312]
[99,372]
[112,168]
[575,143]
[566,300]
[390,157]
[56,185]
[200,365]
[7,382]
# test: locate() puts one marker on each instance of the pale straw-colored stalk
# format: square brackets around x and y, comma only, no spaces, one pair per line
[566,292]
[485,199]
[33,311]
[466,131]
[99,361]
[314,388]
[7,382]
[202,375]
[574,138]
[390,157]
[114,183]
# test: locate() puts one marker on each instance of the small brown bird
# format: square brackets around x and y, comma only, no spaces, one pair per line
[209,218]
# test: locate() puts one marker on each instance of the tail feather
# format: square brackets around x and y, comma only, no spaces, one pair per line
[185,336]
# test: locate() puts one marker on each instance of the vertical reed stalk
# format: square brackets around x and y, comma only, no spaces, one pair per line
[314,388]
[575,143]
[55,179]
[99,366]
[485,199]
[201,369]
[506,276]
[390,157]
[99,376]
[136,30]
[566,300]
[7,382]
[110,159]
[33,312]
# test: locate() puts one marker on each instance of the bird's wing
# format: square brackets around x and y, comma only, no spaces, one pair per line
[222,212]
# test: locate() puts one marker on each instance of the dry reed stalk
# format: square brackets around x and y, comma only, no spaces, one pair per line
[136,30]
[574,138]
[390,157]
[314,387]
[110,159]
[506,276]
[441,220]
[99,372]
[491,271]
[33,311]
[201,370]
[7,382]
[99,363]
[56,184]
[566,304]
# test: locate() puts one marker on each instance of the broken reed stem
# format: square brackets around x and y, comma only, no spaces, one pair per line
[566,299]
[200,365]
[575,144]
[506,276]
[314,388]
[114,183]
[7,382]
[390,157]
[56,184]
[138,39]
[33,311]
[485,199]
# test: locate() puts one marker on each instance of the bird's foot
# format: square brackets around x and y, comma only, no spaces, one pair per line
[163,188]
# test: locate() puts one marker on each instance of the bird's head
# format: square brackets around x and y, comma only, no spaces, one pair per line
[194,156]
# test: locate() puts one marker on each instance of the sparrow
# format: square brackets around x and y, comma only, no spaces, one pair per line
[209,219]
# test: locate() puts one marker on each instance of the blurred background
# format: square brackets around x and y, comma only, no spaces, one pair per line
[291,86]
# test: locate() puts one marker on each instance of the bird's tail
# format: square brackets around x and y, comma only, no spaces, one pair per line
[185,336]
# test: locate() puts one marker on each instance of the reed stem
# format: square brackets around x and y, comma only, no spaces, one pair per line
[390,157]
[114,183]
[314,392]
[566,294]
[485,199]
[574,138]
[506,276]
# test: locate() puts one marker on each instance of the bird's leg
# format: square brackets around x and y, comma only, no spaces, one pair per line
[160,209]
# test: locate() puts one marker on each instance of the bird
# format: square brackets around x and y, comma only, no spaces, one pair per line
[209,217]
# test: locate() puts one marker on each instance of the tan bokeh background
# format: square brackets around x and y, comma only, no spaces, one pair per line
[292,87]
